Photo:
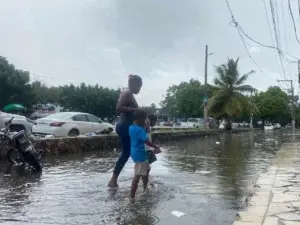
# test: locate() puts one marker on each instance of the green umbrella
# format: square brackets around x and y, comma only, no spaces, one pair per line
[14,107]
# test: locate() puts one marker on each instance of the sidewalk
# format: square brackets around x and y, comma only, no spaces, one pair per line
[277,192]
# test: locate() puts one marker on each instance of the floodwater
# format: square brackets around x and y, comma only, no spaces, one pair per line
[206,179]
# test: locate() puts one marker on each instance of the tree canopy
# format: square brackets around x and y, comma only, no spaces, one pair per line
[274,105]
[185,99]
[229,99]
[226,97]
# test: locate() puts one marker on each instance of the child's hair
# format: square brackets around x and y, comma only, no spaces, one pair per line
[152,120]
[152,117]
[139,114]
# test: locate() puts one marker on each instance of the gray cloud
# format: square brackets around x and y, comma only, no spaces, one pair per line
[101,41]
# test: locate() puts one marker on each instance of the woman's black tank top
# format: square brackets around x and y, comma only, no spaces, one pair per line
[127,117]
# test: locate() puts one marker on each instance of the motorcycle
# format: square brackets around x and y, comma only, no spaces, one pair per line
[21,152]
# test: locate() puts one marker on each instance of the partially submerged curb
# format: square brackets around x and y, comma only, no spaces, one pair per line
[72,145]
[276,200]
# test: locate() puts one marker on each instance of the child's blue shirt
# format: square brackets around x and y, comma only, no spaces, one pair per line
[138,137]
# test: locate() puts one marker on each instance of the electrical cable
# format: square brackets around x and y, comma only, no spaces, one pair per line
[293,19]
[269,25]
[277,37]
[242,38]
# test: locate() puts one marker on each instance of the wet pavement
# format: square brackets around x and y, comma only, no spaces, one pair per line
[207,179]
[276,197]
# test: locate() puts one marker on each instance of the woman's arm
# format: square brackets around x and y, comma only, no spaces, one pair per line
[125,97]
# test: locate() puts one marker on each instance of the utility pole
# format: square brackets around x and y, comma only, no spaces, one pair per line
[205,88]
[293,106]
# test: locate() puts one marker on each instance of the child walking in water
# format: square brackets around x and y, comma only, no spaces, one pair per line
[139,138]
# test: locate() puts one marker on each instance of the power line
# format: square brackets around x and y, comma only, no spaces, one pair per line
[284,26]
[242,38]
[277,23]
[293,19]
[276,37]
[235,24]
[264,45]
[269,25]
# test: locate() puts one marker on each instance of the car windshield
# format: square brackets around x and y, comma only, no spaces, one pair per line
[59,115]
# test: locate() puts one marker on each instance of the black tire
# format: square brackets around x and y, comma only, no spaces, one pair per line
[16,128]
[32,161]
[14,157]
[110,130]
[73,133]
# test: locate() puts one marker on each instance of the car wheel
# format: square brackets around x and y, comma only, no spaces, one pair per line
[73,132]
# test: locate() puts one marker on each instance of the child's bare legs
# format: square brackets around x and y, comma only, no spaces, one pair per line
[134,186]
[140,170]
[145,181]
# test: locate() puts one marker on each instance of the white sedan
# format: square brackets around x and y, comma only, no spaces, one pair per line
[18,123]
[70,124]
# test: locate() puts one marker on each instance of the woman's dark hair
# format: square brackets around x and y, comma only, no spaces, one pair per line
[133,78]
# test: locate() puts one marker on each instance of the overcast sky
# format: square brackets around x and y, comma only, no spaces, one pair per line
[102,41]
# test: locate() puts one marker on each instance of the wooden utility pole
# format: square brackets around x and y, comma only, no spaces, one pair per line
[293,106]
[205,87]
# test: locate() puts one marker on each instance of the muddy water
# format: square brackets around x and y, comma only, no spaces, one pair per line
[206,179]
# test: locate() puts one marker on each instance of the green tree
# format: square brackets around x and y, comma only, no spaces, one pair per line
[185,99]
[149,109]
[229,99]
[14,85]
[273,105]
[96,99]
[43,94]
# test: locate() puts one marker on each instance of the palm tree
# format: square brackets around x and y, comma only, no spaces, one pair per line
[229,99]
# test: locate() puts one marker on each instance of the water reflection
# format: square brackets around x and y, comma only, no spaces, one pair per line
[200,177]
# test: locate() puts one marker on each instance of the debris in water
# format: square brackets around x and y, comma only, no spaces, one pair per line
[203,172]
[177,213]
[217,143]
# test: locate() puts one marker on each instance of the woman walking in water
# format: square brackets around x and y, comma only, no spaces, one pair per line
[125,107]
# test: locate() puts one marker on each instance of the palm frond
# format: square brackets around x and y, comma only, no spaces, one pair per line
[243,78]
[233,107]
[222,72]
[219,83]
[232,71]
[245,88]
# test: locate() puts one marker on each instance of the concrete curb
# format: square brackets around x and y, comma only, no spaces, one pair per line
[270,203]
[72,145]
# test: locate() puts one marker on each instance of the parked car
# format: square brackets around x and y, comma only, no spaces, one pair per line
[277,125]
[70,124]
[289,125]
[195,122]
[269,126]
[18,123]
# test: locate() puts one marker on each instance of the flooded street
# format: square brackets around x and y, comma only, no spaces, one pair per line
[207,179]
